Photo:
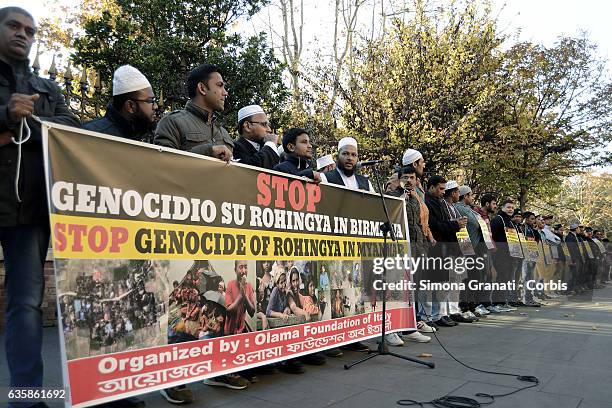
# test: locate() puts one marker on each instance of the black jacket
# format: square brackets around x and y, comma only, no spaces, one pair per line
[265,158]
[498,232]
[442,228]
[444,231]
[51,107]
[562,257]
[573,241]
[114,124]
[295,165]
[334,177]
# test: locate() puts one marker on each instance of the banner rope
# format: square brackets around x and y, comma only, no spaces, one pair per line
[20,141]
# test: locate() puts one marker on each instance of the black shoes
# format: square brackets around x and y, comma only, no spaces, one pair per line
[130,402]
[291,366]
[357,346]
[313,359]
[458,318]
[445,321]
[334,352]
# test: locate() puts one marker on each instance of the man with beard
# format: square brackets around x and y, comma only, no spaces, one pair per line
[562,259]
[418,246]
[24,220]
[197,128]
[344,174]
[131,114]
[240,299]
[256,145]
[487,210]
[464,208]
[451,197]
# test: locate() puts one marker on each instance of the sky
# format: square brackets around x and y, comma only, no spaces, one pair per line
[538,21]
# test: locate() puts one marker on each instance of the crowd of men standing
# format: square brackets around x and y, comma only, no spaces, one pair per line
[444,220]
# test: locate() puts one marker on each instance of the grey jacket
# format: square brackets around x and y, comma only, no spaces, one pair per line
[472,223]
[188,129]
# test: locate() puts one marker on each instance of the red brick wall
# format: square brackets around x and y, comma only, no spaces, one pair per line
[48,305]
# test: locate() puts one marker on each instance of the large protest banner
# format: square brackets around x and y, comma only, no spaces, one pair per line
[173,267]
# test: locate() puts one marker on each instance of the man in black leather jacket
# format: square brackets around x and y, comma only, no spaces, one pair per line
[24,222]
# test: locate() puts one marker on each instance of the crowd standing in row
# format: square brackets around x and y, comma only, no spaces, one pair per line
[437,209]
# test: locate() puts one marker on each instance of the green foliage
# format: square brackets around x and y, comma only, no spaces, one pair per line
[556,107]
[425,85]
[167,38]
[513,122]
[585,199]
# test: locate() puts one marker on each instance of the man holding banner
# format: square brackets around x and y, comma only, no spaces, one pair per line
[506,240]
[24,222]
[464,208]
[532,238]
[461,246]
[444,230]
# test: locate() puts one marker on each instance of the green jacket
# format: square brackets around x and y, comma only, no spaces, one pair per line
[188,129]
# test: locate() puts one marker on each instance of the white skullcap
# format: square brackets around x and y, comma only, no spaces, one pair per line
[410,156]
[450,184]
[463,190]
[347,141]
[324,161]
[128,79]
[248,111]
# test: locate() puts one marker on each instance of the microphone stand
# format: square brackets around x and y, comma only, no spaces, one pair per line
[386,229]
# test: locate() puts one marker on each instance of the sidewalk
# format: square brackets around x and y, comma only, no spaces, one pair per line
[567,345]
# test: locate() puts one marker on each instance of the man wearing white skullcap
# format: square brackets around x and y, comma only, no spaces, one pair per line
[414,158]
[344,175]
[131,114]
[411,156]
[473,298]
[346,165]
[256,145]
[325,163]
[426,307]
[451,197]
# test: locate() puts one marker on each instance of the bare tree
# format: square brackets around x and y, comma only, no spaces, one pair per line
[292,40]
[347,11]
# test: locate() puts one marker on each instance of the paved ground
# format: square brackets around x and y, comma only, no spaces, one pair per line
[567,345]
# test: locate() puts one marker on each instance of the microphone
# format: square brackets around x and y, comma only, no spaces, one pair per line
[368,163]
